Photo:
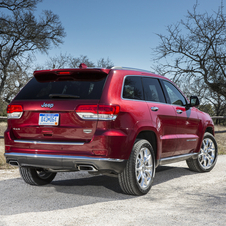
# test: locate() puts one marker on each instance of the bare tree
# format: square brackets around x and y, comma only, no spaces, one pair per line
[18,74]
[75,61]
[105,63]
[195,49]
[19,4]
[212,102]
[68,61]
[22,34]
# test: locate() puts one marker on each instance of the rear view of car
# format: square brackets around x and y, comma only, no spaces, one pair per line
[52,124]
[116,121]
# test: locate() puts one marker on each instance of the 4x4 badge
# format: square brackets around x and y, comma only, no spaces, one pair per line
[47,105]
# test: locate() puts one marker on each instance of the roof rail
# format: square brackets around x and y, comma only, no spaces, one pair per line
[129,68]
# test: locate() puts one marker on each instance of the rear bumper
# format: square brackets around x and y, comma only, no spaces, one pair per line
[66,162]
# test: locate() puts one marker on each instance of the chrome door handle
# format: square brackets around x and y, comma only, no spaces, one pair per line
[154,108]
[179,111]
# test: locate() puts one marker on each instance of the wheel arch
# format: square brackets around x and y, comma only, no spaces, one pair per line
[151,137]
[210,130]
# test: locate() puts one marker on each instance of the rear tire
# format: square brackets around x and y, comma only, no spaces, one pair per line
[207,156]
[138,175]
[36,176]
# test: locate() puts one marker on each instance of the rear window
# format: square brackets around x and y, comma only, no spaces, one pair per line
[84,89]
[133,88]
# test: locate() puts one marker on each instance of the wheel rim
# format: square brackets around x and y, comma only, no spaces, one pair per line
[207,153]
[144,168]
[43,174]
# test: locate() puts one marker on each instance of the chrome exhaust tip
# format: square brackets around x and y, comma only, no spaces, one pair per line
[13,163]
[86,168]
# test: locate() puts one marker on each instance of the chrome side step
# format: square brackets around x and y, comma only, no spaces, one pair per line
[177,158]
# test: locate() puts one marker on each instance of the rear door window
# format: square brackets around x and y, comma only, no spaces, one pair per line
[133,88]
[62,89]
[152,90]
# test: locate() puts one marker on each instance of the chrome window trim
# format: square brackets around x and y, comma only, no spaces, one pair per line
[147,100]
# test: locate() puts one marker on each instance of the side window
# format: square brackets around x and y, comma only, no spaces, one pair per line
[133,88]
[153,90]
[175,97]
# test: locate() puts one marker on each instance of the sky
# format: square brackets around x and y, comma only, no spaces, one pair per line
[122,30]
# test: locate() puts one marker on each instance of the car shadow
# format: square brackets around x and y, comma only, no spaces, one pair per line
[104,186]
[167,173]
[107,182]
[69,190]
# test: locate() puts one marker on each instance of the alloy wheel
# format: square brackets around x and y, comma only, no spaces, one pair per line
[144,168]
[207,153]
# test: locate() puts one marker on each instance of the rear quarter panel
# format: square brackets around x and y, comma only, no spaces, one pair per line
[133,118]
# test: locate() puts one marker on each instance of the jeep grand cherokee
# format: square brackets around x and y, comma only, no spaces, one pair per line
[116,121]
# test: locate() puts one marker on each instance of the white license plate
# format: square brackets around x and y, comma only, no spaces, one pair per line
[48,119]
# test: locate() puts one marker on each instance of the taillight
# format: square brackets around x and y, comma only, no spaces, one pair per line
[101,112]
[14,111]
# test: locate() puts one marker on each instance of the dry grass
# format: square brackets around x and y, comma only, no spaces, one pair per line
[3,126]
[3,164]
[220,135]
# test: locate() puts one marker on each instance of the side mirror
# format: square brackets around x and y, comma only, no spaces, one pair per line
[194,101]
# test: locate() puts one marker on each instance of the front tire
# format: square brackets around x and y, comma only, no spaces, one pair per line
[138,175]
[36,176]
[207,156]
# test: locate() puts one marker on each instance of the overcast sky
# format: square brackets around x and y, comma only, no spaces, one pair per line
[123,30]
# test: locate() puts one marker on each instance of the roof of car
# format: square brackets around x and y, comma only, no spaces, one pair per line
[83,69]
[130,69]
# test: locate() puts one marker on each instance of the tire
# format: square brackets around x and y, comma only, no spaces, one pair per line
[138,175]
[207,156]
[36,176]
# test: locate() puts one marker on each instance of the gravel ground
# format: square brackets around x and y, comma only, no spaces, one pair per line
[178,197]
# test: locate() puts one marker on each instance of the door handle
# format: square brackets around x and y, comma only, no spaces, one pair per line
[154,108]
[179,111]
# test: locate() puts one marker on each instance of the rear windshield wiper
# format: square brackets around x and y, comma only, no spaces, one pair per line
[66,96]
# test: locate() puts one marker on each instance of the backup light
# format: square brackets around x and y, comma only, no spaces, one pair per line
[14,111]
[94,112]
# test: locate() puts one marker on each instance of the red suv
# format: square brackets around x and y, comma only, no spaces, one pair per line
[117,121]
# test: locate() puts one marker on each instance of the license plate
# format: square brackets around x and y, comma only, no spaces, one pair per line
[48,119]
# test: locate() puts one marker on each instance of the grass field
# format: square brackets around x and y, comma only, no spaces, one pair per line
[220,134]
